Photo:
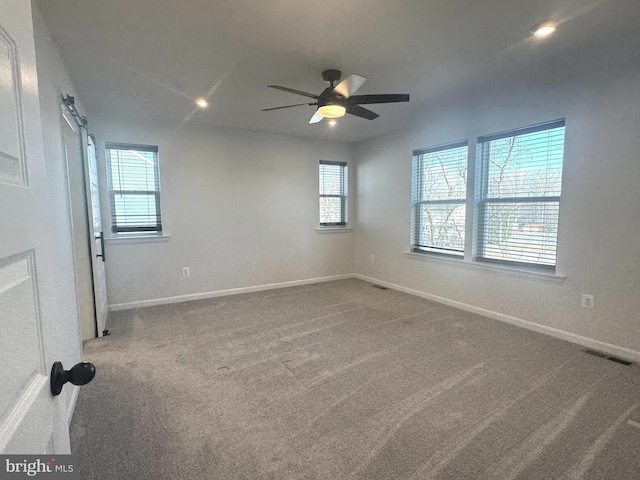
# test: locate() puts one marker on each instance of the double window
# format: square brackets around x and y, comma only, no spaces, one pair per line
[333,181]
[134,189]
[516,201]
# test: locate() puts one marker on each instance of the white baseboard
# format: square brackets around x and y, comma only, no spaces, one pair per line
[223,293]
[614,350]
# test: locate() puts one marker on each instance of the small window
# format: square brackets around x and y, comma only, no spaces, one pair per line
[518,184]
[333,193]
[439,196]
[134,189]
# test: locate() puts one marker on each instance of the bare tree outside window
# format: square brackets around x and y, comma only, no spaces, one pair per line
[518,186]
[439,191]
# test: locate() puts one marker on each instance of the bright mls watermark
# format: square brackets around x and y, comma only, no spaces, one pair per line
[52,467]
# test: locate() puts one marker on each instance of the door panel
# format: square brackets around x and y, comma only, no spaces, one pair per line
[82,229]
[91,282]
[12,167]
[31,424]
[21,330]
[30,251]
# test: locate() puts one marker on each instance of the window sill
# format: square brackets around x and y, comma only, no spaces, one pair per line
[334,230]
[138,239]
[518,272]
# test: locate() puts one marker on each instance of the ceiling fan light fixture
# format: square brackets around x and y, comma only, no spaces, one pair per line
[202,103]
[332,111]
[544,29]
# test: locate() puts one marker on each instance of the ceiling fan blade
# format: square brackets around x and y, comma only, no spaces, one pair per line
[286,106]
[291,90]
[361,112]
[383,98]
[349,85]
[316,118]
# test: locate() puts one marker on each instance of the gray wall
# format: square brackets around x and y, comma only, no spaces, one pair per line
[240,209]
[599,239]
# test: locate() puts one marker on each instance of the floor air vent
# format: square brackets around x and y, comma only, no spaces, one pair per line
[608,357]
[380,287]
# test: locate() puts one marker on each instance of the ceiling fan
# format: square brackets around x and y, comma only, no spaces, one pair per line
[336,101]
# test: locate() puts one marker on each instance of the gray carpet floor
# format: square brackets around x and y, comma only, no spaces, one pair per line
[342,380]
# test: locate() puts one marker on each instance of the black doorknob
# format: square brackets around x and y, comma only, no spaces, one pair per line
[81,374]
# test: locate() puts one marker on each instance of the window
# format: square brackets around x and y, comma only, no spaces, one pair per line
[518,183]
[134,189]
[333,193]
[439,195]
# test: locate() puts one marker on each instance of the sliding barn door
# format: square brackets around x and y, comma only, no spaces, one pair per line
[96,233]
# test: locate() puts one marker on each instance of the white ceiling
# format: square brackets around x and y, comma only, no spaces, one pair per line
[151,58]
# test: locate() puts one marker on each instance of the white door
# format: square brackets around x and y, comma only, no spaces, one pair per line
[32,248]
[96,232]
[91,285]
[82,246]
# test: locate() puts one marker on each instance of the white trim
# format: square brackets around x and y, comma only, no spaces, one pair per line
[72,404]
[615,350]
[334,230]
[223,293]
[138,239]
[488,267]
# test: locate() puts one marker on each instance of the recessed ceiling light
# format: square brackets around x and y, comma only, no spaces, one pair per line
[544,29]
[202,103]
[333,123]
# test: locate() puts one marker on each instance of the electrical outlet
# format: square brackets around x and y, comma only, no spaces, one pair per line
[587,301]
[372,259]
[186,271]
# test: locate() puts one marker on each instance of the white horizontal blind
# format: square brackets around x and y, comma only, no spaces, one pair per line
[333,193]
[134,188]
[438,198]
[518,185]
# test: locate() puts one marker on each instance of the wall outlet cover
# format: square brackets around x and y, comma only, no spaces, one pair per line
[587,301]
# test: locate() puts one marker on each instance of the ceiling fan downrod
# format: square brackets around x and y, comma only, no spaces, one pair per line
[331,76]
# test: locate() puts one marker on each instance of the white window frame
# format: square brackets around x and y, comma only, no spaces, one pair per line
[482,201]
[134,230]
[344,195]
[418,202]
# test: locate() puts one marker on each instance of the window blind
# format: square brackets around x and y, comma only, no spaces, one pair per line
[518,186]
[439,193]
[333,193]
[134,188]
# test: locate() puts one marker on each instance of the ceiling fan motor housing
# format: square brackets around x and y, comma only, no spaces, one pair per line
[329,97]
